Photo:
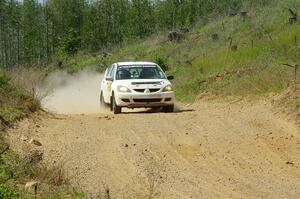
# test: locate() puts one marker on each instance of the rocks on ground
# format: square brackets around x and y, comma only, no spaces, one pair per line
[35,142]
[35,156]
[31,186]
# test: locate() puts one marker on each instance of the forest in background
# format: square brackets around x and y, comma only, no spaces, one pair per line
[34,32]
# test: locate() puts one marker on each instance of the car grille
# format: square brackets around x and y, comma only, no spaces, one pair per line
[152,90]
[139,90]
[136,83]
[126,100]
[147,100]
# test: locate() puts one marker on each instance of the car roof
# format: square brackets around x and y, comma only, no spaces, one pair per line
[134,63]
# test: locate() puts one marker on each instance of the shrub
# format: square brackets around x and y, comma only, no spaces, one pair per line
[7,193]
[70,44]
[298,103]
[162,63]
[3,79]
[15,103]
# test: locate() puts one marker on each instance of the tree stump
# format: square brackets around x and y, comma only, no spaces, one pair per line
[106,54]
[295,67]
[175,36]
[215,37]
[234,47]
[184,30]
[60,64]
[244,15]
[294,17]
[233,14]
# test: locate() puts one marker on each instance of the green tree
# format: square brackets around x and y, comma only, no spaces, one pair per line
[31,32]
[70,44]
[142,21]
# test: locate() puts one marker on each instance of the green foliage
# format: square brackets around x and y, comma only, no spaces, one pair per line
[15,171]
[70,44]
[4,79]
[10,114]
[278,87]
[298,103]
[15,103]
[8,193]
[142,18]
[162,63]
[80,62]
[11,169]
[31,26]
[33,32]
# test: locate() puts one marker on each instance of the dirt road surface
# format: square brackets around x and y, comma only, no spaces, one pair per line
[207,150]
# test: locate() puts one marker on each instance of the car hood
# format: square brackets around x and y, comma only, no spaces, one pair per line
[144,83]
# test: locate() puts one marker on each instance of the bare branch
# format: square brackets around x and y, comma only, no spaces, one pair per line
[290,65]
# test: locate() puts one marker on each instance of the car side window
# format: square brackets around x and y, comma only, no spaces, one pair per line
[112,71]
[107,74]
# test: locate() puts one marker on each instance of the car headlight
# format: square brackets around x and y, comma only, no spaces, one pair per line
[168,88]
[123,89]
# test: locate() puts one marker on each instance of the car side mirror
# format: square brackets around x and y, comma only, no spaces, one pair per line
[171,77]
[109,79]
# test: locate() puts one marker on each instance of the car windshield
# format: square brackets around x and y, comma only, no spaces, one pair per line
[139,72]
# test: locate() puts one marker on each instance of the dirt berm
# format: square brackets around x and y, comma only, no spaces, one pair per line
[210,149]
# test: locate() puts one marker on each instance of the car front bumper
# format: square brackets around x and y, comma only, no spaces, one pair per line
[144,100]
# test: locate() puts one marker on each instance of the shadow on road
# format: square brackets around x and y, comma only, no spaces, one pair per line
[154,110]
[184,110]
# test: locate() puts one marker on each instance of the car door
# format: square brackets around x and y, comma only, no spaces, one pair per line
[103,81]
[104,84]
[107,83]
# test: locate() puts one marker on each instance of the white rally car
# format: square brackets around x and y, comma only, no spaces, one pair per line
[136,85]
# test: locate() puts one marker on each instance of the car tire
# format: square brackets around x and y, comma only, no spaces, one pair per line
[168,109]
[114,107]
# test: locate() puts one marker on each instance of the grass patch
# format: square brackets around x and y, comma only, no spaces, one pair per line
[15,172]
[7,192]
[15,103]
[298,103]
[83,61]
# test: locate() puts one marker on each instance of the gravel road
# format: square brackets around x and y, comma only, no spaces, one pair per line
[210,149]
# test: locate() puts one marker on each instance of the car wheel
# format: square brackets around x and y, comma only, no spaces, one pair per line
[111,103]
[115,108]
[168,109]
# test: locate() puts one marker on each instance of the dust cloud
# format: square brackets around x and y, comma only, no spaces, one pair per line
[72,93]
